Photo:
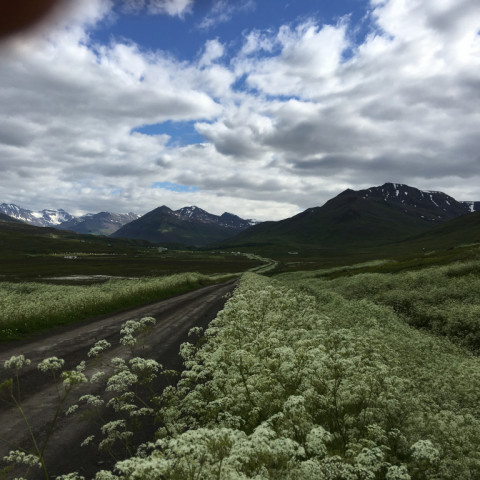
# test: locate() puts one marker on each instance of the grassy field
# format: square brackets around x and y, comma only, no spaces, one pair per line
[29,307]
[36,254]
[140,263]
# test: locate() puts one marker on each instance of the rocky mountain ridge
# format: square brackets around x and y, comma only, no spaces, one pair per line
[189,226]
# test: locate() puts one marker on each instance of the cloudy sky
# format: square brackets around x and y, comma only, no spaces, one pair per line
[257,107]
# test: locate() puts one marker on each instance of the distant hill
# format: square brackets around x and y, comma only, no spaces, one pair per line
[188,226]
[103,223]
[18,237]
[364,218]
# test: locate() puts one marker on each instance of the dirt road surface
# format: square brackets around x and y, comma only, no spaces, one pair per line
[175,317]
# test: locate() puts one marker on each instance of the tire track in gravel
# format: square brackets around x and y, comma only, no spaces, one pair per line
[175,316]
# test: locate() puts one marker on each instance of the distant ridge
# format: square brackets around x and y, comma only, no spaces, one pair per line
[43,218]
[188,226]
[103,223]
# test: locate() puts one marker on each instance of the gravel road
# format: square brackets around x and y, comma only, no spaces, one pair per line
[175,317]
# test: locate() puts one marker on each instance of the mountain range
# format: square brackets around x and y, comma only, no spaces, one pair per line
[103,223]
[188,226]
[43,218]
[364,218]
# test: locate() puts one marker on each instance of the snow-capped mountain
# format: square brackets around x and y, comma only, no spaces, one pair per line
[43,218]
[429,205]
[103,223]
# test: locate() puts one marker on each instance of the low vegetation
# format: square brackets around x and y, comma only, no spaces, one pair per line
[305,377]
[26,308]
[442,299]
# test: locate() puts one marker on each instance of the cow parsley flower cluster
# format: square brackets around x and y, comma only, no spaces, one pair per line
[132,331]
[16,362]
[99,348]
[51,364]
[20,457]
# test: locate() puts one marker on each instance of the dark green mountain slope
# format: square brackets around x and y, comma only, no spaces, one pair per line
[188,226]
[20,238]
[365,218]
[463,230]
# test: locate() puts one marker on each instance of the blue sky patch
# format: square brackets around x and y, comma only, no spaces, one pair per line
[174,187]
[181,133]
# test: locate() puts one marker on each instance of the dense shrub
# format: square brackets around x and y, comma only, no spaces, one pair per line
[288,386]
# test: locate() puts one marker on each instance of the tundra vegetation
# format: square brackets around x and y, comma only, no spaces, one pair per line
[304,376]
[29,307]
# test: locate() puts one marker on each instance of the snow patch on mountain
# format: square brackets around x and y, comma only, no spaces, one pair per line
[43,218]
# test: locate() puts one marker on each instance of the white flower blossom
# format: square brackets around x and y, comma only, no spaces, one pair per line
[87,441]
[73,377]
[397,473]
[97,376]
[121,381]
[71,409]
[93,401]
[424,450]
[16,362]
[99,348]
[51,364]
[17,456]
[70,476]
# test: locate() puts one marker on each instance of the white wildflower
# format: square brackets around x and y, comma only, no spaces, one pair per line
[81,366]
[72,377]
[424,450]
[51,364]
[115,430]
[16,362]
[17,456]
[70,476]
[71,410]
[87,441]
[144,368]
[93,401]
[121,381]
[397,473]
[97,376]
[128,340]
[105,475]
[195,331]
[316,441]
[99,348]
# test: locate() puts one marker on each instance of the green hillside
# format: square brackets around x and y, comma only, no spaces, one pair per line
[346,221]
[163,225]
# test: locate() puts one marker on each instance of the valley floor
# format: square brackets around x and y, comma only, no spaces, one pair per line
[39,395]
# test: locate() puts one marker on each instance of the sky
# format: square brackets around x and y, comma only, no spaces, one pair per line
[261,108]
